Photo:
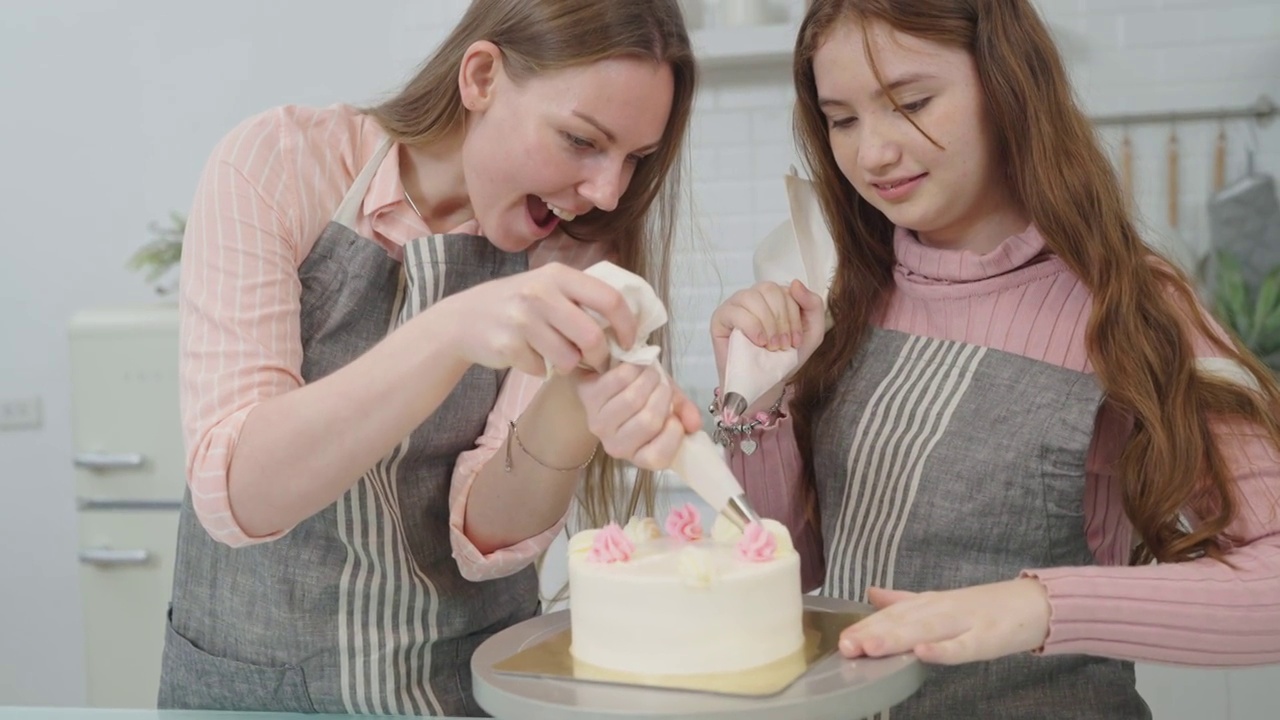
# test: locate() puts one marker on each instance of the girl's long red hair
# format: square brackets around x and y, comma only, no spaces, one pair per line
[1145,314]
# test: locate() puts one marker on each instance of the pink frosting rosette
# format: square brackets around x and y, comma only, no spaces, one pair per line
[684,523]
[610,545]
[757,544]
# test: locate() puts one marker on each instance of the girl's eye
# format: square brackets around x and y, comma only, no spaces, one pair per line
[916,106]
[841,123]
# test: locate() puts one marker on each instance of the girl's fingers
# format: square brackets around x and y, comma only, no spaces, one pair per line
[777,301]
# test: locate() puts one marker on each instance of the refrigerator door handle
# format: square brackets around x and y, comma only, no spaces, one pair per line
[107,557]
[108,461]
[106,504]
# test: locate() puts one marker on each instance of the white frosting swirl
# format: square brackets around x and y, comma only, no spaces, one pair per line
[641,529]
[695,568]
[581,542]
[724,531]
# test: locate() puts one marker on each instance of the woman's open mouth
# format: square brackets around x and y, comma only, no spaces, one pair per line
[546,216]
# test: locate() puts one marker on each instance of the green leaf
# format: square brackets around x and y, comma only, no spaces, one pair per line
[1266,313]
[164,250]
[1269,292]
[1264,304]
[1272,360]
[1232,297]
[1270,325]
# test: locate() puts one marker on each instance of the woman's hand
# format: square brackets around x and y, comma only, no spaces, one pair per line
[539,316]
[638,413]
[772,316]
[950,627]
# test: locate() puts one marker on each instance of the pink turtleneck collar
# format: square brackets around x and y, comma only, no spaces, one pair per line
[919,264]
[1019,298]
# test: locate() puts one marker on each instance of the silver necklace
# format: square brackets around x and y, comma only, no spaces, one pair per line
[415,207]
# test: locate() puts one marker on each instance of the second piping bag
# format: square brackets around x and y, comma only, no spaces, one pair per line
[799,249]
[699,462]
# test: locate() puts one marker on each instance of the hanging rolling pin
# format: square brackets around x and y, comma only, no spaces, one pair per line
[1173,177]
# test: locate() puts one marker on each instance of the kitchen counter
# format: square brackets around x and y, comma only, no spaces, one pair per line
[51,713]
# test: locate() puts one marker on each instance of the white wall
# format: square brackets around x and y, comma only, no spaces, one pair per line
[111,108]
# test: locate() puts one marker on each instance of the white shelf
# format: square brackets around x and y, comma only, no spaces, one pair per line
[744,45]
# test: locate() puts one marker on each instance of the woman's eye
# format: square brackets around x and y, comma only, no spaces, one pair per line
[579,141]
[841,123]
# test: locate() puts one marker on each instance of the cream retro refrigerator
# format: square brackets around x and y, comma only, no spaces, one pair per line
[128,458]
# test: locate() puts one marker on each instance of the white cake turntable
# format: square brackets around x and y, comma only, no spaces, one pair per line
[829,687]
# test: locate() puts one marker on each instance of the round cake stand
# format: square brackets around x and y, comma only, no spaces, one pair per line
[832,688]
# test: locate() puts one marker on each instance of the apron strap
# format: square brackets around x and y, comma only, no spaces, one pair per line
[347,212]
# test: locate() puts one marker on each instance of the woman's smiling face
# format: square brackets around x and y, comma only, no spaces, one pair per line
[561,144]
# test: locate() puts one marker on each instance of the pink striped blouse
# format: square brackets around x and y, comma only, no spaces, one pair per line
[269,188]
[1020,300]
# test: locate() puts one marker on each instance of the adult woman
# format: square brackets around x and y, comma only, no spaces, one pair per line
[355,286]
[1020,406]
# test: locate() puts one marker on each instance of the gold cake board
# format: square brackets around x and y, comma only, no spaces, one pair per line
[527,672]
[550,658]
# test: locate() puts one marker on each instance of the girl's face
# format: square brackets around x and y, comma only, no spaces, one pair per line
[952,194]
[559,144]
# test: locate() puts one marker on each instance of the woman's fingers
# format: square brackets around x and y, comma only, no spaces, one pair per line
[602,298]
[581,331]
[687,412]
[658,453]
[611,405]
[646,406]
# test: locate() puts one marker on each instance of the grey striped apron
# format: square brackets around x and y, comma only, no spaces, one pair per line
[942,465]
[360,608]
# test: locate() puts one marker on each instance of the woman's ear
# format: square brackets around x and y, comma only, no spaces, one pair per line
[478,75]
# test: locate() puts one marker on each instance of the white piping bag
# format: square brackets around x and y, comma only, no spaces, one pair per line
[799,249]
[699,462]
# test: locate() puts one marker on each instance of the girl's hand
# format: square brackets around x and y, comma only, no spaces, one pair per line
[772,316]
[638,413]
[950,627]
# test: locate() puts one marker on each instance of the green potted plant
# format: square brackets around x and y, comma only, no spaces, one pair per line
[161,255]
[1253,314]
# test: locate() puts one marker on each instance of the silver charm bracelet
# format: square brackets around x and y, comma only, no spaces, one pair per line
[739,433]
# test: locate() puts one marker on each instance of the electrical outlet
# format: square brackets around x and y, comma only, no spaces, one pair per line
[20,413]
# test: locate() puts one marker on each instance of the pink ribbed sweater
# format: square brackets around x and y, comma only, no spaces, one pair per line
[1021,299]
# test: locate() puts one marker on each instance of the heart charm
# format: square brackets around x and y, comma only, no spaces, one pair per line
[748,446]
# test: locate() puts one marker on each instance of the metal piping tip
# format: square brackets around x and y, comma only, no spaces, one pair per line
[735,403]
[740,512]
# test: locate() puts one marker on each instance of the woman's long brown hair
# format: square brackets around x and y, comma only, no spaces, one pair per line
[1145,315]
[538,36]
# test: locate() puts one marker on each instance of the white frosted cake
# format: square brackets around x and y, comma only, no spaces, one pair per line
[649,602]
